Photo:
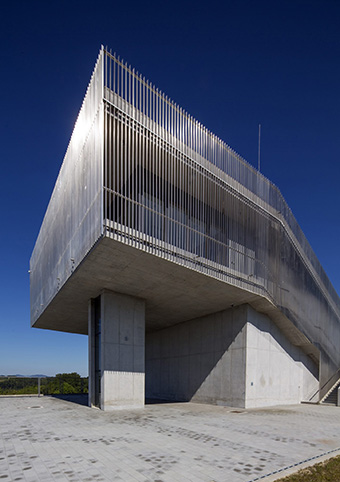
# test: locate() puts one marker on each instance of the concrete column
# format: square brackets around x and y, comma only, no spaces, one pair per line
[122,351]
[91,341]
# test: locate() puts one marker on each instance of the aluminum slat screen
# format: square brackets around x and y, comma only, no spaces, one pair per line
[73,222]
[173,189]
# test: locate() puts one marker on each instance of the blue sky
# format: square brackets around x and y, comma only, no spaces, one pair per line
[232,65]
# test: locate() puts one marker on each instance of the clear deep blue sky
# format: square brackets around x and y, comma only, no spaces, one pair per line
[232,65]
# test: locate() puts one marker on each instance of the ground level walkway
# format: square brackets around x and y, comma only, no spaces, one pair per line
[48,439]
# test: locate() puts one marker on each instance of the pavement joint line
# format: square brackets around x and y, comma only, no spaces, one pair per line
[291,469]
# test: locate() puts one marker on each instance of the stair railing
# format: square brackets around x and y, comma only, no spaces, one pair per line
[326,388]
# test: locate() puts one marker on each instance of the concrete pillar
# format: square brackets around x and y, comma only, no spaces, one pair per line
[91,342]
[122,358]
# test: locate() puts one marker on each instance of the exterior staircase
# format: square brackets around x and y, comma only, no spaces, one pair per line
[331,397]
[328,393]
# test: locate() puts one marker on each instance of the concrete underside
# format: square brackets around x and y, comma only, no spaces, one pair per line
[172,293]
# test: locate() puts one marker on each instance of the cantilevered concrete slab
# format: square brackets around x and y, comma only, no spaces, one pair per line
[172,294]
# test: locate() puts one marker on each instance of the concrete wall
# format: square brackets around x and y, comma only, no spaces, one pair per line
[236,357]
[276,371]
[201,360]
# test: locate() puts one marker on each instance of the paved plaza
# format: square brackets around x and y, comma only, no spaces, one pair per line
[48,439]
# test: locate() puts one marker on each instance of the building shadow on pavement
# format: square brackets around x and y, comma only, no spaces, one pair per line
[80,399]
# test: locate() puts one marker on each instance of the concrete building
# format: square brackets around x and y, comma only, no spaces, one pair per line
[182,263]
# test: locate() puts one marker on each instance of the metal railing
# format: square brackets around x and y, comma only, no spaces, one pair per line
[322,392]
[64,384]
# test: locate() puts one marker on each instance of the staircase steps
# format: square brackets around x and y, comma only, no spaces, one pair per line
[332,397]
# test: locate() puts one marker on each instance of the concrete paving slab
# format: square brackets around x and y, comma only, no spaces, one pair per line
[49,439]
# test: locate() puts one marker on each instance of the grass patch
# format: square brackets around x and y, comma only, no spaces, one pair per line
[328,471]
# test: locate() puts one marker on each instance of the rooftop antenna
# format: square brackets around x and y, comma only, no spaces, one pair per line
[259,150]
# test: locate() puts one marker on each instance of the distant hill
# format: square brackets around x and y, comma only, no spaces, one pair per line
[17,375]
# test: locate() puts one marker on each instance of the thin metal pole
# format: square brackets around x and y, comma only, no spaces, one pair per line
[259,151]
